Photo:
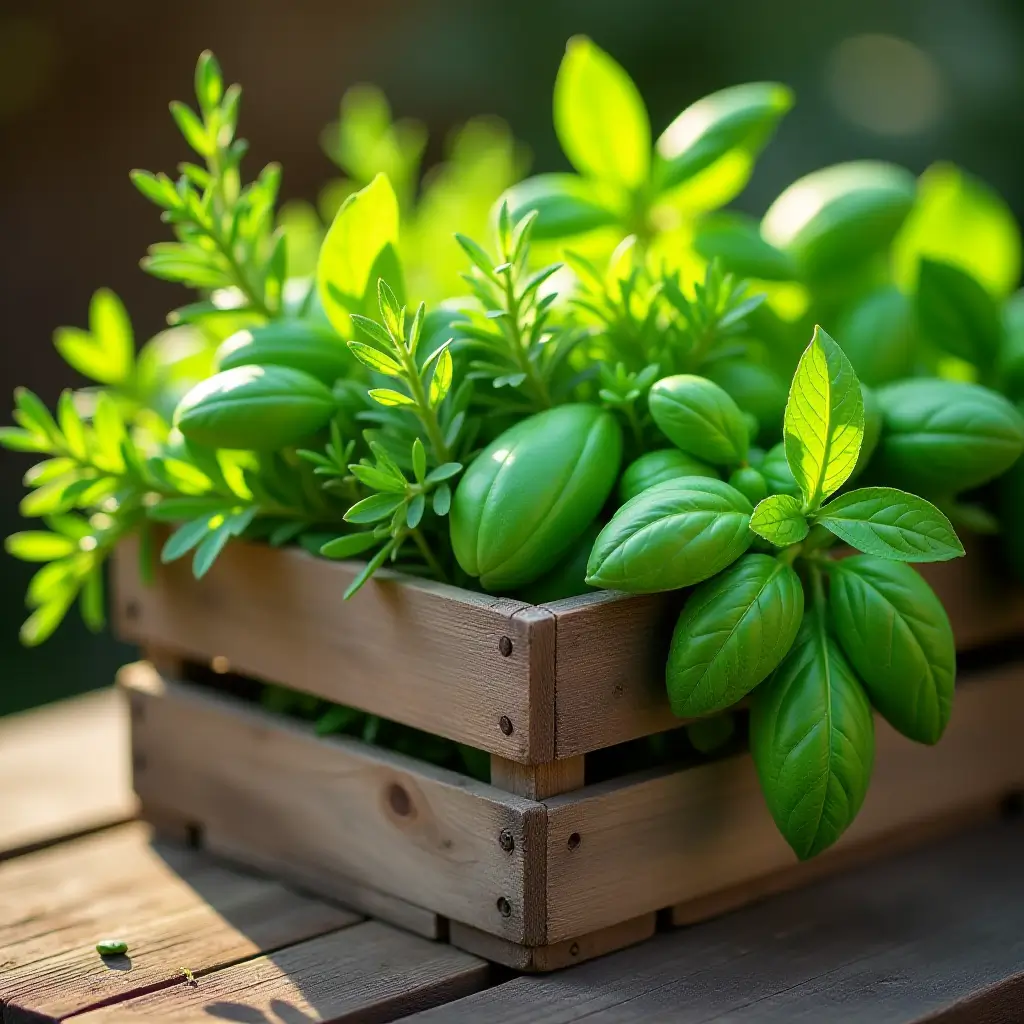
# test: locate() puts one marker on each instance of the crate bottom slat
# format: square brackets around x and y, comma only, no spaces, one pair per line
[539,959]
[534,885]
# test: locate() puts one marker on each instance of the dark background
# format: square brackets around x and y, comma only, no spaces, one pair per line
[83,98]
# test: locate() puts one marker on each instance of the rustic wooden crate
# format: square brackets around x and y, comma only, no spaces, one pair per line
[535,884]
[537,869]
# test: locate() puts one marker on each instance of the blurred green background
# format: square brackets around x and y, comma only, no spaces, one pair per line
[84,91]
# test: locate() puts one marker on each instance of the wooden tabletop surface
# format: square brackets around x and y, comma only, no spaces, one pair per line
[932,935]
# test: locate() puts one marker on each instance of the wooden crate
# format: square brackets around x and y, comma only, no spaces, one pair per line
[536,870]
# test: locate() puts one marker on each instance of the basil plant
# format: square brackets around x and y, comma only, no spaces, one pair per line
[815,639]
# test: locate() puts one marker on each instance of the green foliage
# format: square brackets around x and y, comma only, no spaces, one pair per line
[226,238]
[732,634]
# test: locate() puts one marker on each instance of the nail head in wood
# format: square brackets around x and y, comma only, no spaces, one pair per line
[505,724]
[574,841]
[504,907]
[506,841]
[574,949]
[505,646]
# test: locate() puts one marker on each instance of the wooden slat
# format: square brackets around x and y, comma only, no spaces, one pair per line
[369,972]
[936,935]
[175,907]
[611,649]
[334,806]
[558,954]
[674,837]
[64,771]
[414,651]
[538,781]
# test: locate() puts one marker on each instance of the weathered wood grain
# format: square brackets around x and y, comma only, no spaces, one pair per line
[633,845]
[557,955]
[937,935]
[366,973]
[334,806]
[64,771]
[175,907]
[611,648]
[445,660]
[538,781]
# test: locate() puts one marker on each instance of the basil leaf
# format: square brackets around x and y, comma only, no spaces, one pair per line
[565,203]
[896,633]
[824,423]
[600,117]
[733,632]
[673,535]
[700,417]
[891,524]
[834,218]
[658,466]
[877,334]
[740,119]
[780,520]
[956,313]
[735,239]
[943,434]
[750,483]
[812,739]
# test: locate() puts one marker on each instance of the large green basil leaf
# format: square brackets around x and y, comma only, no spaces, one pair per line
[834,218]
[566,204]
[956,314]
[741,118]
[658,466]
[600,117]
[943,436]
[892,524]
[733,632]
[812,739]
[877,333]
[257,408]
[959,219]
[699,417]
[301,344]
[779,519]
[824,424]
[897,634]
[672,535]
[530,494]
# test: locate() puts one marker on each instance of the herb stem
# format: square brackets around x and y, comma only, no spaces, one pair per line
[519,351]
[426,413]
[429,556]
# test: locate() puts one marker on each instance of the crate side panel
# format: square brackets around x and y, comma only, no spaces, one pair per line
[420,653]
[629,846]
[611,648]
[332,806]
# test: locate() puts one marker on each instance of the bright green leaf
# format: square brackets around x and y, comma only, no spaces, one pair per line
[959,219]
[441,380]
[374,508]
[39,546]
[780,520]
[388,397]
[349,545]
[185,538]
[419,460]
[363,228]
[893,524]
[600,117]
[824,422]
[375,359]
[565,204]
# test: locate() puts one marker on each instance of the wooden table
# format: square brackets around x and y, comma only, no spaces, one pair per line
[934,935]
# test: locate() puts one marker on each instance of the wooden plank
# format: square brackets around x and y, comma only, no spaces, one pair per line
[175,908]
[637,844]
[611,648]
[445,660]
[537,781]
[64,771]
[557,955]
[935,935]
[334,806]
[369,972]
